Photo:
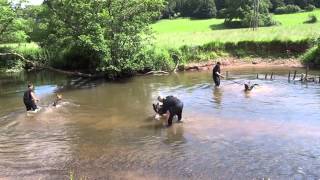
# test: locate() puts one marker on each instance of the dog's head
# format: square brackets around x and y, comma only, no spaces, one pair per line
[158,108]
[58,97]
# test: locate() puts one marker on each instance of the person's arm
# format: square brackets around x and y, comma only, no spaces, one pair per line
[34,97]
[219,74]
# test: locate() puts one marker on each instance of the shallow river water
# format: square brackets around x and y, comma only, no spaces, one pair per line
[107,130]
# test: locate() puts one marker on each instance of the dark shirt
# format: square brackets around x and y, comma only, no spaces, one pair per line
[27,98]
[215,70]
[170,101]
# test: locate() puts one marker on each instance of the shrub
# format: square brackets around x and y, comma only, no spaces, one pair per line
[310,8]
[289,9]
[263,21]
[312,56]
[312,19]
[28,50]
[221,13]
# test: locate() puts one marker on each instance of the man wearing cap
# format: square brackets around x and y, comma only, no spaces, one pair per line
[172,105]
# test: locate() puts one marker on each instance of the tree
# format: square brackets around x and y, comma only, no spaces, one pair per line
[13,28]
[206,9]
[276,4]
[97,35]
[244,14]
[220,4]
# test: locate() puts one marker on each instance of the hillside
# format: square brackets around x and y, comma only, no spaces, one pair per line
[183,31]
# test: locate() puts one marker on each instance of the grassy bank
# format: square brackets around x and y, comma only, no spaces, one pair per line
[180,32]
[30,51]
[186,41]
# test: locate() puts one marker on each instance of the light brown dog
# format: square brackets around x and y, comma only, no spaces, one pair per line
[57,100]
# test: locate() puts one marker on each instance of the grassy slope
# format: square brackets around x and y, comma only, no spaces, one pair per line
[179,32]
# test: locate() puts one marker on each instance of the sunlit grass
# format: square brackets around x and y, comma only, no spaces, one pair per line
[179,32]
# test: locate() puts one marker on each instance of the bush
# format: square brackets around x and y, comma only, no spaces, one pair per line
[312,57]
[221,13]
[12,63]
[289,9]
[312,19]
[310,8]
[154,59]
[264,21]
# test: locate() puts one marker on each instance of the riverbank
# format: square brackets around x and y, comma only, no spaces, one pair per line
[232,63]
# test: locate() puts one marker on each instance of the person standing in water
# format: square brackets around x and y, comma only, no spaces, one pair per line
[216,74]
[172,105]
[30,99]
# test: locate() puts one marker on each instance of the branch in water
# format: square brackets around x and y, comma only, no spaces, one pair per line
[156,73]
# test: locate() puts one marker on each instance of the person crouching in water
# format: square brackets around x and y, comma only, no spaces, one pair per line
[216,74]
[30,99]
[172,105]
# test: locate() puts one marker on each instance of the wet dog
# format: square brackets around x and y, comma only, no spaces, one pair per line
[57,100]
[249,87]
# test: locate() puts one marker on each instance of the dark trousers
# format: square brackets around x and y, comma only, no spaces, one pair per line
[30,106]
[216,80]
[175,110]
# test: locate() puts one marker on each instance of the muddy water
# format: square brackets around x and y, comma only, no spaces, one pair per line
[106,130]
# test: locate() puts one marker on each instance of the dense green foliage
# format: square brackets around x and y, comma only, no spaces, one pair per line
[30,51]
[241,14]
[288,9]
[218,8]
[113,37]
[13,26]
[190,8]
[312,56]
[103,36]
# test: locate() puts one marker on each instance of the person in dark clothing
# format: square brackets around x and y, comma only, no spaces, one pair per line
[216,74]
[172,105]
[30,99]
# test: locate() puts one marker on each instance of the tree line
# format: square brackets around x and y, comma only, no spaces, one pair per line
[218,8]
[92,36]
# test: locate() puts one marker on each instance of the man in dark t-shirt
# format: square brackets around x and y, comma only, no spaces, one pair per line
[216,74]
[30,99]
[172,105]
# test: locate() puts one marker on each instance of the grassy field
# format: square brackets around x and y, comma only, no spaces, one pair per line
[179,32]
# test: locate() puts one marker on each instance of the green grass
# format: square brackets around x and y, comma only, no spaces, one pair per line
[183,31]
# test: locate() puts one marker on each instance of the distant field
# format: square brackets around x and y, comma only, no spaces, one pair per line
[179,32]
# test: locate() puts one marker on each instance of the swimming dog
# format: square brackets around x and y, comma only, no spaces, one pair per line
[249,87]
[57,100]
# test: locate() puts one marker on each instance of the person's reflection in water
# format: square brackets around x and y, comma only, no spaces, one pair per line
[217,96]
[175,135]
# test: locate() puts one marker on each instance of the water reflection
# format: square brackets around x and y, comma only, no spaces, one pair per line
[217,96]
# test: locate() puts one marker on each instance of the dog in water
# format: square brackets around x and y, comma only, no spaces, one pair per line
[248,87]
[57,100]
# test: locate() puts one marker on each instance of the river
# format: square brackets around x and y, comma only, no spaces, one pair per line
[107,130]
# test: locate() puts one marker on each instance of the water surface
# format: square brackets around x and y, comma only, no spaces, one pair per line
[106,130]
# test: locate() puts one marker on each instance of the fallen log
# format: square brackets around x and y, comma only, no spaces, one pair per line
[37,66]
[156,73]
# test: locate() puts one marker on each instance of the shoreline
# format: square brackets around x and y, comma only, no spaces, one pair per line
[232,63]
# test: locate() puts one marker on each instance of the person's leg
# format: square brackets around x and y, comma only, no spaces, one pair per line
[28,107]
[171,115]
[34,106]
[216,80]
[179,113]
